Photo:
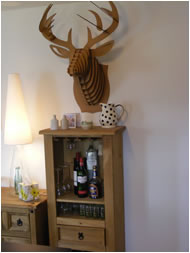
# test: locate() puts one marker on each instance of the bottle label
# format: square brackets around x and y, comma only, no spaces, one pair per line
[82,180]
[80,192]
[91,164]
[91,160]
[75,178]
[94,173]
[93,189]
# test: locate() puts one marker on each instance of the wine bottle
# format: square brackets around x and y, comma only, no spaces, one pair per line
[76,168]
[82,180]
[95,185]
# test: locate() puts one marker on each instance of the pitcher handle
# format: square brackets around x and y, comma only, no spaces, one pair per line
[121,114]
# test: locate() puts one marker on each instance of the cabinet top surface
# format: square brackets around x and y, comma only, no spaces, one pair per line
[9,199]
[95,131]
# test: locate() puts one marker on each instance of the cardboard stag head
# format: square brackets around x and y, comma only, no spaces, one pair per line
[91,85]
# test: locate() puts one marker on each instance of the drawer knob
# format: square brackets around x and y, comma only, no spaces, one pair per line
[19,222]
[80,236]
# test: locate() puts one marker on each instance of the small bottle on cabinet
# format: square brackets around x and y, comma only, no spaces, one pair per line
[75,170]
[54,125]
[95,185]
[82,180]
[64,122]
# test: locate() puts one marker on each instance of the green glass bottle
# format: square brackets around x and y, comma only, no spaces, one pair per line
[17,178]
[82,180]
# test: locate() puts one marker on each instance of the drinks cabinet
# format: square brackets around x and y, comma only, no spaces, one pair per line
[85,224]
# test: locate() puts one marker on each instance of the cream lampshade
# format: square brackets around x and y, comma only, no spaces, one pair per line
[17,127]
[17,130]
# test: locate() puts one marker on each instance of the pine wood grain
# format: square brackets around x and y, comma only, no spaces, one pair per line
[15,239]
[70,197]
[118,193]
[109,192]
[81,221]
[113,200]
[21,220]
[93,238]
[50,180]
[79,132]
[8,199]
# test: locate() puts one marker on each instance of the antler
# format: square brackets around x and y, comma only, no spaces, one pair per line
[45,28]
[105,33]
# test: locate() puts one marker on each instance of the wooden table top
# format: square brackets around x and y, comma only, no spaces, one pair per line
[9,199]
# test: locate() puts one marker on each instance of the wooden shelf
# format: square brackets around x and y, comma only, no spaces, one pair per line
[72,198]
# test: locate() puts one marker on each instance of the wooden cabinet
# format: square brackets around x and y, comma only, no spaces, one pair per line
[80,232]
[23,222]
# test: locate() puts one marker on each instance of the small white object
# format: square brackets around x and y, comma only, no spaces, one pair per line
[64,123]
[86,125]
[54,123]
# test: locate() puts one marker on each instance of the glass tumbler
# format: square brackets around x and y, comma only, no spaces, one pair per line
[58,182]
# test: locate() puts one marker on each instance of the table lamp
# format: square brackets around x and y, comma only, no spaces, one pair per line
[17,130]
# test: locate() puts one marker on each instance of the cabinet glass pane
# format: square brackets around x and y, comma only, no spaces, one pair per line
[79,210]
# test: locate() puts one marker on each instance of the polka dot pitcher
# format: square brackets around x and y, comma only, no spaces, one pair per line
[109,116]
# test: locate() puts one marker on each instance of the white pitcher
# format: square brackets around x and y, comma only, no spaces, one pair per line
[109,116]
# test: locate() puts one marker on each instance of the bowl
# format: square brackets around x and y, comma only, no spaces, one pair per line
[86,125]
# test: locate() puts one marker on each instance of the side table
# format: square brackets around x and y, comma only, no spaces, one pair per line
[24,222]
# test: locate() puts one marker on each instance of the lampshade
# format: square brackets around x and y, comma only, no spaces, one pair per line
[17,127]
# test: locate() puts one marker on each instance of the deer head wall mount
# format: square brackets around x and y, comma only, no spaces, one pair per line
[91,85]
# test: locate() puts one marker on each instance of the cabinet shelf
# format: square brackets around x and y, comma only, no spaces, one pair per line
[70,197]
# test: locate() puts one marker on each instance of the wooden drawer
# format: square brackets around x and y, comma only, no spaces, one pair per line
[81,238]
[15,223]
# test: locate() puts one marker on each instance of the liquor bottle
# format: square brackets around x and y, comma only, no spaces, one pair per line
[82,180]
[76,168]
[91,160]
[95,185]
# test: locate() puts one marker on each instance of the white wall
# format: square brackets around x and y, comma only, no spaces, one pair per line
[148,73]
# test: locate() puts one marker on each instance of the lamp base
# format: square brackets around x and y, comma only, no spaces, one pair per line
[18,172]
